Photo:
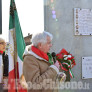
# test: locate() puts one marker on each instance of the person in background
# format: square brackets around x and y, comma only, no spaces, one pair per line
[3,63]
[38,67]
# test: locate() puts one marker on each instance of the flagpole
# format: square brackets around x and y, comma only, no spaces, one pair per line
[15,60]
[15,51]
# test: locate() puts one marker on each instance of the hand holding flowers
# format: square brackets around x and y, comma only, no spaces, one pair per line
[66,61]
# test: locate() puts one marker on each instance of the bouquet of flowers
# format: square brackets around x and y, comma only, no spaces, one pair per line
[66,61]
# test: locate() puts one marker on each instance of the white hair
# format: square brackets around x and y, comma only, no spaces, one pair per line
[41,38]
[2,40]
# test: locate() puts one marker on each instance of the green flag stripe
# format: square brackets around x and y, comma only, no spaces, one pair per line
[14,23]
[11,20]
[19,37]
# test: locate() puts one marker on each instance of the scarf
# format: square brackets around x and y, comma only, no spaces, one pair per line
[1,52]
[43,55]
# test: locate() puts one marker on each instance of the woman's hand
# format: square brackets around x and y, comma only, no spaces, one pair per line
[57,64]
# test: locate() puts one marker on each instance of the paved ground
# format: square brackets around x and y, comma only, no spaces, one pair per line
[1,89]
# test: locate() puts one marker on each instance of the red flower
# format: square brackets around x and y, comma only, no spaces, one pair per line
[59,56]
[65,59]
[68,58]
[73,62]
[63,51]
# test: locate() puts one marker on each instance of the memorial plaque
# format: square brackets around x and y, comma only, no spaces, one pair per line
[86,67]
[82,21]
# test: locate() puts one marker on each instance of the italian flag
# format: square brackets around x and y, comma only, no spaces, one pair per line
[16,50]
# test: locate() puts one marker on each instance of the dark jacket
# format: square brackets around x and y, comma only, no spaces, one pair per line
[5,64]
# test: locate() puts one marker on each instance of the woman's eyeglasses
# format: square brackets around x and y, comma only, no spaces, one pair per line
[3,43]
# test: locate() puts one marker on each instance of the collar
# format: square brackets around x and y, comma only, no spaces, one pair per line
[35,55]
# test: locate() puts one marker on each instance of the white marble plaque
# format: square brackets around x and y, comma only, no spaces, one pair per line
[82,21]
[86,67]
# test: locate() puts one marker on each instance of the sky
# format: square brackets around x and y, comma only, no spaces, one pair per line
[31,16]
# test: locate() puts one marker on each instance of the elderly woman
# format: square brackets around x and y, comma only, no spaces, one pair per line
[38,68]
[2,49]
[3,62]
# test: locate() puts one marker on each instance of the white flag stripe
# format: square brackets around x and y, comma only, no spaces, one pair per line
[11,50]
[20,64]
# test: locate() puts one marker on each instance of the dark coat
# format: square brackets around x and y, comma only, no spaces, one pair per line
[5,64]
